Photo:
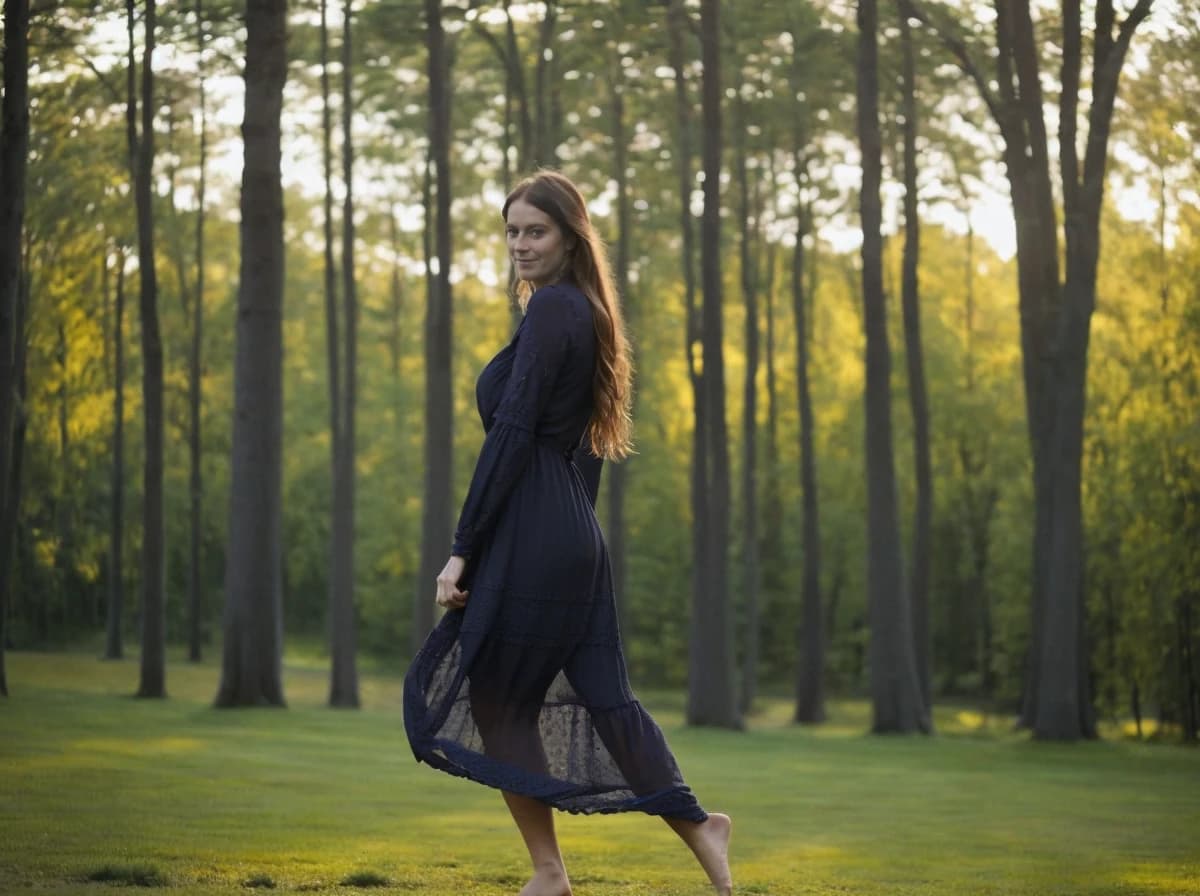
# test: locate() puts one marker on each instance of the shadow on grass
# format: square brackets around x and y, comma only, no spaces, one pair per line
[129,876]
[365,880]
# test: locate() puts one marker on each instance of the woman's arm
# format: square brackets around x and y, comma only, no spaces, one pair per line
[541,350]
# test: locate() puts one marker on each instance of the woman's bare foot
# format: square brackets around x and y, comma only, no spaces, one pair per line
[548,882]
[709,840]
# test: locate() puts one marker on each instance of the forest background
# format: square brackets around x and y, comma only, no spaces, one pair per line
[382,101]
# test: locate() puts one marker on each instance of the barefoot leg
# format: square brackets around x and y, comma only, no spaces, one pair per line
[536,823]
[709,840]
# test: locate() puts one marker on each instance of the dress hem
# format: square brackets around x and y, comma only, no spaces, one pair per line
[556,799]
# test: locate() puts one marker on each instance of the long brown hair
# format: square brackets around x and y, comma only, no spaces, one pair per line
[610,429]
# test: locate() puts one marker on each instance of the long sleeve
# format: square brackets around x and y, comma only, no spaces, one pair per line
[542,348]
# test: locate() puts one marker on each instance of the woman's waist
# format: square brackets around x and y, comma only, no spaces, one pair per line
[564,443]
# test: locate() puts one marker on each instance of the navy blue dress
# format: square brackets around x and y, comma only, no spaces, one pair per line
[525,688]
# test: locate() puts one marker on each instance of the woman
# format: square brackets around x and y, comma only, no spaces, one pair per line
[522,685]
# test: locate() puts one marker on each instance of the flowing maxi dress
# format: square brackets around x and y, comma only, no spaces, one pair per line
[525,688]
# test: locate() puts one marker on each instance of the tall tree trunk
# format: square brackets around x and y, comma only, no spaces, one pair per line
[895,691]
[914,359]
[679,26]
[343,685]
[153,660]
[251,671]
[114,649]
[773,504]
[618,475]
[810,670]
[197,611]
[10,512]
[751,571]
[435,518]
[64,547]
[816,625]
[176,245]
[1055,316]
[14,152]
[332,320]
[773,562]
[712,695]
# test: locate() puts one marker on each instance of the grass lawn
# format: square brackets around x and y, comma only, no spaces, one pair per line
[176,794]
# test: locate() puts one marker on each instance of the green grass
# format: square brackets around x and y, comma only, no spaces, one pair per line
[100,792]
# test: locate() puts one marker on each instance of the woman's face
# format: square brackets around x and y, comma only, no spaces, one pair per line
[536,243]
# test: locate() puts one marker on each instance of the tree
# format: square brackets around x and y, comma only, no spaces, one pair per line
[196,603]
[748,212]
[153,609]
[679,25]
[439,433]
[14,148]
[1055,311]
[712,695]
[343,684]
[251,669]
[914,360]
[810,669]
[895,691]
[113,649]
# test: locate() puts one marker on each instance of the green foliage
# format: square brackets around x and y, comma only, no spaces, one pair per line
[790,67]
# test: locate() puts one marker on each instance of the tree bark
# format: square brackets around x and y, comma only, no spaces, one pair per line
[332,327]
[678,27]
[153,609]
[114,648]
[10,511]
[773,562]
[712,694]
[915,362]
[197,611]
[810,670]
[14,152]
[895,691]
[436,522]
[251,672]
[751,569]
[343,685]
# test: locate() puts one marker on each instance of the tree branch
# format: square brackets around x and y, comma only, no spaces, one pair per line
[959,50]
[1068,125]
[1104,95]
[1103,40]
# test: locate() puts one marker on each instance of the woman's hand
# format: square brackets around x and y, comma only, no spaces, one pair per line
[448,594]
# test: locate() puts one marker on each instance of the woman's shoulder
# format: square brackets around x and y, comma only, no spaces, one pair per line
[563,301]
[563,290]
